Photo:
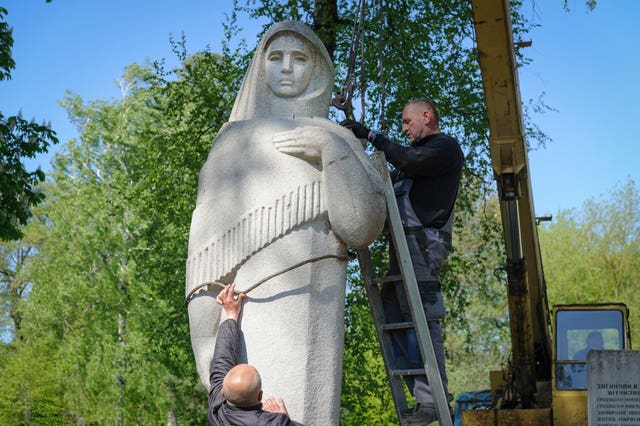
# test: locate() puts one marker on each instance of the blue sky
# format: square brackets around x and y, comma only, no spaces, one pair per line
[587,66]
[585,63]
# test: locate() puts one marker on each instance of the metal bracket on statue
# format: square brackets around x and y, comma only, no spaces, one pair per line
[342,101]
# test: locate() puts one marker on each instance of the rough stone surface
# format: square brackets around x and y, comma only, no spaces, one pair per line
[613,388]
[282,185]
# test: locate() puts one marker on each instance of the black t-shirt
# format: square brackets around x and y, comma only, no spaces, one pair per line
[435,165]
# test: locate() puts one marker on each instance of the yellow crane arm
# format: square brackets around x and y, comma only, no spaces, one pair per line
[528,308]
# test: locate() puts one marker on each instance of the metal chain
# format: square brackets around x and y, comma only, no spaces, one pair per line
[384,126]
[343,99]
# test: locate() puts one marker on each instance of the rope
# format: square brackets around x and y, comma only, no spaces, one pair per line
[265,279]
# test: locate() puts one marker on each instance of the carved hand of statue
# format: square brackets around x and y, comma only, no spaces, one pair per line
[307,143]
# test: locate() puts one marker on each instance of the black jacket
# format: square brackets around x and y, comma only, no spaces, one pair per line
[435,165]
[225,357]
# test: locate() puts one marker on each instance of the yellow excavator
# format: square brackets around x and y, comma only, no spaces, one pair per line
[546,380]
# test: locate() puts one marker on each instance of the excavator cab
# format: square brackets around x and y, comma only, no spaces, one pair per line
[577,330]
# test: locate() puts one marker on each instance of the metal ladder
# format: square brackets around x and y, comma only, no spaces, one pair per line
[419,323]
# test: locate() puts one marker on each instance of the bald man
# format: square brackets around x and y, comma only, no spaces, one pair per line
[236,389]
[425,178]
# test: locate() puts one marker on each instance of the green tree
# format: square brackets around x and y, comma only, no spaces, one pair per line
[477,339]
[15,282]
[108,280]
[20,188]
[6,43]
[592,254]
[366,398]
[31,385]
[19,139]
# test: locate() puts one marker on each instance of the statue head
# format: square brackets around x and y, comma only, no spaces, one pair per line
[289,65]
[290,75]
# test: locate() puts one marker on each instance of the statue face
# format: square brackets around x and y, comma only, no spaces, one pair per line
[289,66]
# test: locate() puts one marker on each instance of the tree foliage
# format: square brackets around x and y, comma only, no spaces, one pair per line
[108,278]
[19,139]
[592,254]
[15,281]
[366,398]
[6,43]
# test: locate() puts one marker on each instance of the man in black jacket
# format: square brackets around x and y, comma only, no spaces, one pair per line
[236,389]
[426,178]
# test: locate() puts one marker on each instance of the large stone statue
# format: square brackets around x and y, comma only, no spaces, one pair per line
[282,186]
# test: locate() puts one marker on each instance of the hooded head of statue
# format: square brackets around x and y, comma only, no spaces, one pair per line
[291,75]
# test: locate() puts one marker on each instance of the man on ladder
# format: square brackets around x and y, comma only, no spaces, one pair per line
[426,179]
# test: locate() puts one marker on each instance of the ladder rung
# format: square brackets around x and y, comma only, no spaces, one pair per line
[409,372]
[397,326]
[389,279]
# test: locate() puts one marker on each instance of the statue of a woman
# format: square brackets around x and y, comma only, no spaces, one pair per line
[282,186]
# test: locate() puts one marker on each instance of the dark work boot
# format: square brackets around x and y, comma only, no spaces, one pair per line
[421,415]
